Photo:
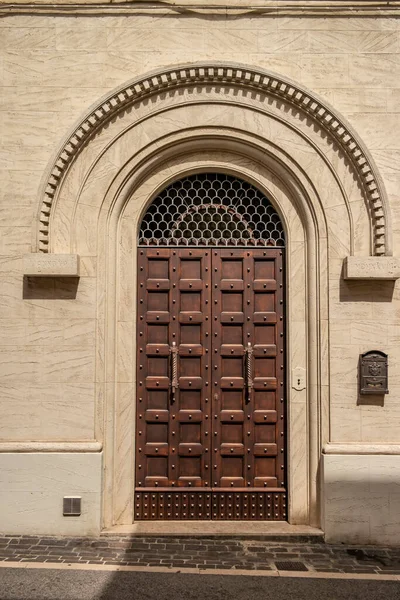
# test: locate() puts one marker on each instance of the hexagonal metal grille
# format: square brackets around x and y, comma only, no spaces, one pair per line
[211,209]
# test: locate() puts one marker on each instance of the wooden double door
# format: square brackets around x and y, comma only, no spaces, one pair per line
[210,422]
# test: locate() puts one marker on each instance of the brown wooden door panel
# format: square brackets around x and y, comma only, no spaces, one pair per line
[248,432]
[173,309]
[210,414]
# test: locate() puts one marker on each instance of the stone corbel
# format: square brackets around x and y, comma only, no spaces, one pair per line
[51,265]
[371,267]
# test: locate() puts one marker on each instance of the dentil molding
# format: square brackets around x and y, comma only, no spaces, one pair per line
[222,74]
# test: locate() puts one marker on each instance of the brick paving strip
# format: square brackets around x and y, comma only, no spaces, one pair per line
[224,553]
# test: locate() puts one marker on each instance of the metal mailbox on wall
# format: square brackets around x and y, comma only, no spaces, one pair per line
[373,373]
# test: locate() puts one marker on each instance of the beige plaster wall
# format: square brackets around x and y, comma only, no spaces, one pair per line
[32,490]
[361,499]
[52,69]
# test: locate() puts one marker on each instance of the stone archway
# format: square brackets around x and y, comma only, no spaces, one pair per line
[285,94]
[251,125]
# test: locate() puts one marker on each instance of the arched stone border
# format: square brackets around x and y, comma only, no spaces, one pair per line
[219,74]
[298,205]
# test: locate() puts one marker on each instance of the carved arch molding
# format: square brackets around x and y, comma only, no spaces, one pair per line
[285,93]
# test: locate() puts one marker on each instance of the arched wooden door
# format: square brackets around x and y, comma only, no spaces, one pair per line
[210,436]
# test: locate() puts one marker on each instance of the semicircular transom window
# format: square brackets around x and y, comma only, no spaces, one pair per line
[211,209]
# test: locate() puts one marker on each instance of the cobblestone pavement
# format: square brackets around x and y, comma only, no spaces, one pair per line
[203,553]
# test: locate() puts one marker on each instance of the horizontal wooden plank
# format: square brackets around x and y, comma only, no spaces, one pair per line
[157,481]
[232,383]
[157,383]
[153,285]
[190,416]
[265,317]
[231,416]
[192,316]
[191,285]
[232,285]
[156,449]
[265,449]
[264,350]
[189,449]
[191,482]
[191,350]
[265,383]
[232,317]
[264,285]
[190,383]
[265,416]
[232,350]
[233,483]
[232,450]
[157,416]
[158,316]
[156,252]
[266,482]
[157,349]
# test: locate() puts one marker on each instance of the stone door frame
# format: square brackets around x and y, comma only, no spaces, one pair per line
[305,335]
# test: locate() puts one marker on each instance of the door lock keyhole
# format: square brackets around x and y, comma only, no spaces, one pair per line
[299,378]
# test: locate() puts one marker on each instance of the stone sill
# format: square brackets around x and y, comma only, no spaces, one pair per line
[51,265]
[359,448]
[89,446]
[371,268]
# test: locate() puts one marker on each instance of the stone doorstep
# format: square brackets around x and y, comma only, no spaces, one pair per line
[239,530]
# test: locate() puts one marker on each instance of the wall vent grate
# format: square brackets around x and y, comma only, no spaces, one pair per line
[72,506]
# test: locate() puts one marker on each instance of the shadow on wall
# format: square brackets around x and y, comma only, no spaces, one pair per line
[366,291]
[50,288]
[361,499]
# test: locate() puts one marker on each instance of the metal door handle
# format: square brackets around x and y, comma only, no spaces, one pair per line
[249,371]
[174,371]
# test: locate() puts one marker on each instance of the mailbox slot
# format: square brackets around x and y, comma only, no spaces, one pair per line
[373,373]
